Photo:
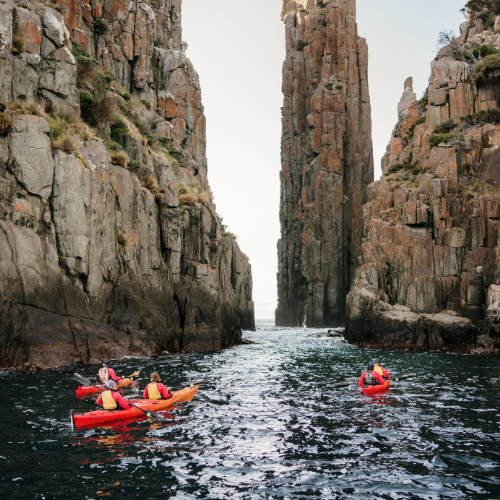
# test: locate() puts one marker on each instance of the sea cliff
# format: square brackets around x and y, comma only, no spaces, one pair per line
[110,243]
[327,161]
[431,263]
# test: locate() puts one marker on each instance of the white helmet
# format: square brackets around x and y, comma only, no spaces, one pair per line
[110,384]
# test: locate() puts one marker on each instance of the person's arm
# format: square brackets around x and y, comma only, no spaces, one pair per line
[164,391]
[145,394]
[378,377]
[121,401]
[386,373]
[362,379]
[112,375]
[99,400]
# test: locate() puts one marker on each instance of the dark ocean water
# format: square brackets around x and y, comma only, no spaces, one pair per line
[266,424]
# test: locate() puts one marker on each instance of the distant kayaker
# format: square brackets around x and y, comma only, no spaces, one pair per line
[380,369]
[155,390]
[107,373]
[110,398]
[370,377]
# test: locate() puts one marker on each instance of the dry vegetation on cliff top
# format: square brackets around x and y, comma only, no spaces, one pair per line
[108,114]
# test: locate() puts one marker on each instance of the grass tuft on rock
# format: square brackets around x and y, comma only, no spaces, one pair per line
[192,193]
[6,122]
[120,158]
[64,143]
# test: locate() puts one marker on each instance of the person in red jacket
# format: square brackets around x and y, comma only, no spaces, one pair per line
[380,369]
[370,377]
[155,390]
[110,398]
[106,373]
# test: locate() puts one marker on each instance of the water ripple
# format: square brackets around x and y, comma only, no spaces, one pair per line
[266,424]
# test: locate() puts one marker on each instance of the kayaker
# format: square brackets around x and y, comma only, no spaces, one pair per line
[110,398]
[380,369]
[155,390]
[370,377]
[107,373]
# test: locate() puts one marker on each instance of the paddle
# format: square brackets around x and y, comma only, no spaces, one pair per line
[402,377]
[82,379]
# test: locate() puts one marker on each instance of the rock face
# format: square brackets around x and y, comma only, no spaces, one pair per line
[93,262]
[431,225]
[327,161]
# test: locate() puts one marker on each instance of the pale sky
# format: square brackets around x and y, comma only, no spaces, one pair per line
[238,48]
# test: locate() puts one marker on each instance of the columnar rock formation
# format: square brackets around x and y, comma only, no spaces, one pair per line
[431,247]
[326,160]
[97,259]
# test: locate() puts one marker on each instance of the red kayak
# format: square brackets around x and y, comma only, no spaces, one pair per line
[124,382]
[93,418]
[374,389]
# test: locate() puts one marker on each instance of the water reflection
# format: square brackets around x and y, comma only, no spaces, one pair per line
[266,424]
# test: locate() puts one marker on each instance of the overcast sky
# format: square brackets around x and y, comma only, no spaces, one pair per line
[238,48]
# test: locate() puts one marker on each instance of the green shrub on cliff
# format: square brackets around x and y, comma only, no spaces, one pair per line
[491,6]
[301,44]
[329,86]
[483,51]
[100,26]
[491,115]
[121,240]
[487,71]
[437,139]
[445,127]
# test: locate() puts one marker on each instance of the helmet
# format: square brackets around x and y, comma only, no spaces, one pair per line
[375,361]
[105,361]
[110,384]
[370,366]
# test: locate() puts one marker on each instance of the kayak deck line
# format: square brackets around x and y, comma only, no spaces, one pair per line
[373,389]
[81,390]
[101,416]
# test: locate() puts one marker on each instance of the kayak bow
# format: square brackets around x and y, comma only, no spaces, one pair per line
[97,417]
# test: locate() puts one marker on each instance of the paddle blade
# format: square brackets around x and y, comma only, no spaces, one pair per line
[408,375]
[82,379]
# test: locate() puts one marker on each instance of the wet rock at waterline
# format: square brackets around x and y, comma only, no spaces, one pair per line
[110,243]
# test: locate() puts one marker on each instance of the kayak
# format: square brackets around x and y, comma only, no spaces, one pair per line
[373,389]
[101,416]
[81,391]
